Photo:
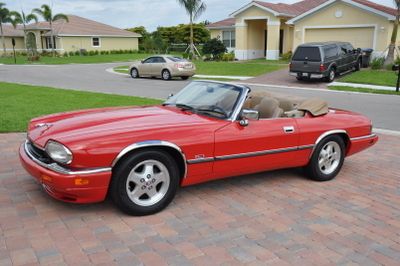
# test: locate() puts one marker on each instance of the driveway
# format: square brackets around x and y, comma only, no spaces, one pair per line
[278,218]
[282,78]
[382,109]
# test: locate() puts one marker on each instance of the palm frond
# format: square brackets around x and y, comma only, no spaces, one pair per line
[60,16]
[30,18]
[199,11]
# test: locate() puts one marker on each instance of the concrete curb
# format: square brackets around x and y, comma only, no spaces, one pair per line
[310,89]
[357,85]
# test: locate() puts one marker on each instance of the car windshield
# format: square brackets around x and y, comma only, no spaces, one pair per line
[208,98]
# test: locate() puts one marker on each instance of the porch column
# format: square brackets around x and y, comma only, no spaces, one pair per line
[241,50]
[273,29]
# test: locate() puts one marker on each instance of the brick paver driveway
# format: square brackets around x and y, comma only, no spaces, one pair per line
[278,218]
[282,78]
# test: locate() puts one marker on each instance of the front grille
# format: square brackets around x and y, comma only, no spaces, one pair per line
[39,154]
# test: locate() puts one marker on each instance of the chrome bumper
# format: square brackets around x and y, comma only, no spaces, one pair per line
[62,170]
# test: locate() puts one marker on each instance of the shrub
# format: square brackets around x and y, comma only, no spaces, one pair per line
[77,53]
[214,47]
[71,53]
[287,56]
[34,58]
[228,57]
[377,63]
[66,54]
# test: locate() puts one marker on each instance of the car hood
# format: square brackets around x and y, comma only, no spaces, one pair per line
[80,127]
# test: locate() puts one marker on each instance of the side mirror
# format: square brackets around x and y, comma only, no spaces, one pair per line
[248,114]
[395,67]
[170,96]
[142,61]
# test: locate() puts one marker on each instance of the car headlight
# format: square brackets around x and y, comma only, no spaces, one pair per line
[58,152]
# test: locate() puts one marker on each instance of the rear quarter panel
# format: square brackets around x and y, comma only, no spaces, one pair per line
[311,128]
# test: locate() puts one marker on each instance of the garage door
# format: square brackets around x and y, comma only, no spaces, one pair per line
[358,37]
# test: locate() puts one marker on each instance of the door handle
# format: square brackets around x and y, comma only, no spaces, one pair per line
[288,129]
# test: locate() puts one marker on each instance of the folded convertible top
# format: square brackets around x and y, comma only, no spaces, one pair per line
[315,106]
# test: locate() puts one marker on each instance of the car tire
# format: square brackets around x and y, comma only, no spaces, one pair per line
[331,75]
[145,182]
[185,77]
[327,159]
[299,78]
[357,66]
[165,74]
[134,73]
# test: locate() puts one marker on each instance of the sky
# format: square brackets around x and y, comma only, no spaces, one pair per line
[148,13]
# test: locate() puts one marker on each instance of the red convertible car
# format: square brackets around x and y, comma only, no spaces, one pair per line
[139,156]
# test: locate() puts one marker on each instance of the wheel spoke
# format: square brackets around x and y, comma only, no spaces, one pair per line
[135,178]
[152,192]
[137,192]
[148,170]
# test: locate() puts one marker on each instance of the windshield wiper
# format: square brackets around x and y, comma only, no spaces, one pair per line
[220,112]
[184,107]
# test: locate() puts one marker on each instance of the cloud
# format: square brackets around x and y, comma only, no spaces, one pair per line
[131,13]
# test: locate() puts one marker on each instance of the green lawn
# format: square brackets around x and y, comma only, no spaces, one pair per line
[372,77]
[342,88]
[248,68]
[20,103]
[76,59]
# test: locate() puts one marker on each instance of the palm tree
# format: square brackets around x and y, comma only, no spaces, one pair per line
[392,46]
[47,14]
[21,18]
[4,18]
[194,8]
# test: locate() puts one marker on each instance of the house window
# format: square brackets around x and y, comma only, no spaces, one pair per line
[49,44]
[96,42]
[229,38]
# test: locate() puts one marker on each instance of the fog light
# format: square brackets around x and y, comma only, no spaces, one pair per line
[81,182]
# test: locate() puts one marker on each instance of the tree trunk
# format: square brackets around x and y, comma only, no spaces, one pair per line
[390,56]
[191,37]
[53,51]
[2,38]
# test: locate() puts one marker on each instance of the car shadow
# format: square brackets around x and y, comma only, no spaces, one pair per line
[267,180]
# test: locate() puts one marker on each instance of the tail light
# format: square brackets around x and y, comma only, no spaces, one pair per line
[322,68]
[180,65]
[290,65]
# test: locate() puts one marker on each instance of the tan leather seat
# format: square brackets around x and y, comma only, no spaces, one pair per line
[269,108]
[285,104]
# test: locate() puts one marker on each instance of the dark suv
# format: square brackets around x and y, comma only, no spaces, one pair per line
[324,60]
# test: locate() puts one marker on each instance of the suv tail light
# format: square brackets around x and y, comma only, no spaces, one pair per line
[290,65]
[322,68]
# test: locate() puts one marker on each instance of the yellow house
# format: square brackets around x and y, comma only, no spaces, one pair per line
[76,34]
[266,30]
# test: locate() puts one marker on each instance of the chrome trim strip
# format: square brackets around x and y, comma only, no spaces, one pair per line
[61,170]
[249,154]
[331,132]
[151,143]
[325,134]
[240,103]
[363,137]
[201,160]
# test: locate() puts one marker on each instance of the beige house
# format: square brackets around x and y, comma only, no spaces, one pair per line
[266,30]
[79,33]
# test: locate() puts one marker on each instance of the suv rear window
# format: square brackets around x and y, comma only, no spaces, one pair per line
[307,54]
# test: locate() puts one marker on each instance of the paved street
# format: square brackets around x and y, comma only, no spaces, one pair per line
[382,109]
[278,218]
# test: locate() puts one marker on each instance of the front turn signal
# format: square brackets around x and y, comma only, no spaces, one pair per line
[81,182]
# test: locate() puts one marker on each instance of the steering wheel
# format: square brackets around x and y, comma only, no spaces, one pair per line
[218,109]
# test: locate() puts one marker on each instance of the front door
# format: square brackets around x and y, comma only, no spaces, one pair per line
[146,66]
[264,144]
